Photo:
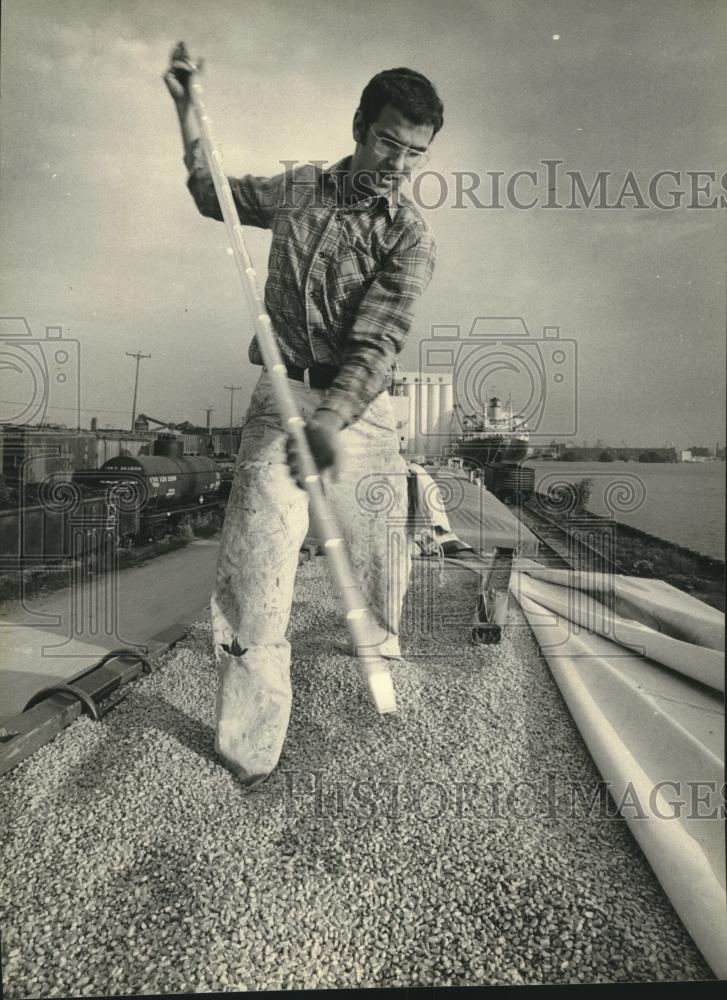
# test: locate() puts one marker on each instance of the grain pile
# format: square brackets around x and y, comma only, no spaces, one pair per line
[389,851]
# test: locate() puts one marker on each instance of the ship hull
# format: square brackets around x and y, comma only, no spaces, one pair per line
[494,450]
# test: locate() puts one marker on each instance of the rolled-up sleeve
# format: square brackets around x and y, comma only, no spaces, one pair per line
[256,198]
[381,325]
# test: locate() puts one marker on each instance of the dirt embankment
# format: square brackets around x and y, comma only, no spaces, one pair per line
[637,553]
[641,554]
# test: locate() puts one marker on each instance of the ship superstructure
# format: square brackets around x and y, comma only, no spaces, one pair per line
[496,436]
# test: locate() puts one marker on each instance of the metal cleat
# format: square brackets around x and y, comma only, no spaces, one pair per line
[492,601]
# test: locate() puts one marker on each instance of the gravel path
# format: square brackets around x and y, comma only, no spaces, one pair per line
[383,851]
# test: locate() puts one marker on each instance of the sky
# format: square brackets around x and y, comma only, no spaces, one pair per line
[101,238]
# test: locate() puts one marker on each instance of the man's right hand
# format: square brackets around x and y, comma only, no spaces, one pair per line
[177,75]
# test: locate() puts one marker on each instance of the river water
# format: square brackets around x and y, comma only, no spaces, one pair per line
[681,502]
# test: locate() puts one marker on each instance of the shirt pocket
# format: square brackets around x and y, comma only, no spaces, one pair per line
[352,270]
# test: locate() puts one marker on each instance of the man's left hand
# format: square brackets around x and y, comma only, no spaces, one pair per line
[323,431]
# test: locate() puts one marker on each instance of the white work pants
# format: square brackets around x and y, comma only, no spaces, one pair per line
[265,525]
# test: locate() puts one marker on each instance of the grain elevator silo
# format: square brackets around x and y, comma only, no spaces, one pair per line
[425,412]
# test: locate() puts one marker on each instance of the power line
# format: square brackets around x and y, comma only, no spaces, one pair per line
[72,409]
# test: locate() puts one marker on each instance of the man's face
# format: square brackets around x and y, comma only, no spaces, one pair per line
[378,165]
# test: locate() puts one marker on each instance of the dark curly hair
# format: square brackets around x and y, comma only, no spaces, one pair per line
[406,90]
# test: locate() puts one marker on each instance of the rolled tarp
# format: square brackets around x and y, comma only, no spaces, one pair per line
[649,617]
[656,737]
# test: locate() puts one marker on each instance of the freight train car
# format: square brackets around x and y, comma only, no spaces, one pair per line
[134,499]
[162,489]
[68,525]
[162,482]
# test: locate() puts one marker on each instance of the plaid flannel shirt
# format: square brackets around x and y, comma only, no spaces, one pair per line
[343,279]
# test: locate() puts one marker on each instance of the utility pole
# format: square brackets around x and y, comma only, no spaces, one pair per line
[208,410]
[233,389]
[138,357]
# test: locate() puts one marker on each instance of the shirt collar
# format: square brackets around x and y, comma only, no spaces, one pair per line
[335,174]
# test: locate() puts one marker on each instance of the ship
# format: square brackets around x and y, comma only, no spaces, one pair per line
[495,437]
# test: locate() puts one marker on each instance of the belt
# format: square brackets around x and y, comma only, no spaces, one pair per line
[319,376]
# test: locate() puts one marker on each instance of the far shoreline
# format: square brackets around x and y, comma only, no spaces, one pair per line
[680,503]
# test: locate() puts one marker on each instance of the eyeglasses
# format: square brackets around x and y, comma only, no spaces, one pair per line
[389,147]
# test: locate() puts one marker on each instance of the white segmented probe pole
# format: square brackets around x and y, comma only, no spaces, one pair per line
[358,616]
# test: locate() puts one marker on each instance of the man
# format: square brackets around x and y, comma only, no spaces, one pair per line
[349,259]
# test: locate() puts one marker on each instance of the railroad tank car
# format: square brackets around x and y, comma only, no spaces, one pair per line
[162,481]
